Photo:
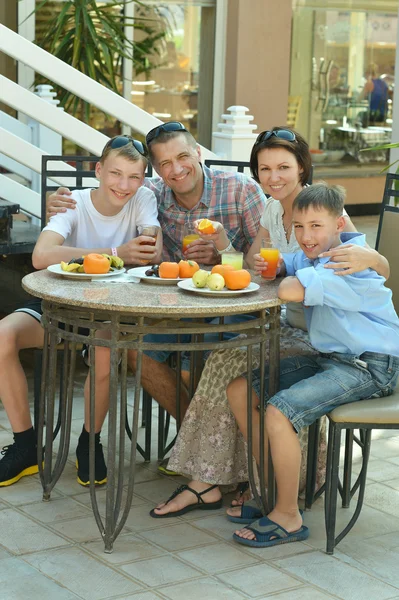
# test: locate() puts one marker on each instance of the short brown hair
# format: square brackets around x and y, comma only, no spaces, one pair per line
[127,151]
[321,195]
[298,147]
[164,136]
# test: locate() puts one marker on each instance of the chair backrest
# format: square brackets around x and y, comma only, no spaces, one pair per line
[388,245]
[85,167]
[391,189]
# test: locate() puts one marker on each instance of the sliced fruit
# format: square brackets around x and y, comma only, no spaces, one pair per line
[206,226]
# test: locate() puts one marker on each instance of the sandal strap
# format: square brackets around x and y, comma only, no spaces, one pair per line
[183,488]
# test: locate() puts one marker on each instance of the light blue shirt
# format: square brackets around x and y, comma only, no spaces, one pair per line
[351,314]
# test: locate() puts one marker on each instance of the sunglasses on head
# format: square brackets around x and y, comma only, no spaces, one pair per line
[283,134]
[170,126]
[123,140]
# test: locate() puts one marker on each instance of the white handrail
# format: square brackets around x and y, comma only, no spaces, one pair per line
[30,104]
[28,200]
[31,156]
[81,85]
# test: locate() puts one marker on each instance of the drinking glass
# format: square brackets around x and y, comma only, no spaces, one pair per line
[189,235]
[235,259]
[271,256]
[149,231]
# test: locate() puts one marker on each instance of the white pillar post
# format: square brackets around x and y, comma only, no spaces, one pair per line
[235,137]
[43,137]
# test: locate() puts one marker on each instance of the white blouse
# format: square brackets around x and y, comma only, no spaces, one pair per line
[272,220]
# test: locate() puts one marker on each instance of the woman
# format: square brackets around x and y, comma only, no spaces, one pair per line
[209,448]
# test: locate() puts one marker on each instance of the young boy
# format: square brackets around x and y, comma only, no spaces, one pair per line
[105,221]
[351,322]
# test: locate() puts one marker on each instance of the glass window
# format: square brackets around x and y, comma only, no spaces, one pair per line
[344,73]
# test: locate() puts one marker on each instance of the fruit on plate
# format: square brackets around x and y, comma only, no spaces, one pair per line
[152,271]
[71,267]
[96,264]
[200,278]
[206,226]
[169,270]
[221,269]
[114,261]
[237,280]
[187,268]
[215,282]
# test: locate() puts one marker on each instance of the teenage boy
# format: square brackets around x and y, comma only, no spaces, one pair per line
[353,325]
[105,220]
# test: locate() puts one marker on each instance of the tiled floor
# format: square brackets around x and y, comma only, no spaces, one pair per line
[53,550]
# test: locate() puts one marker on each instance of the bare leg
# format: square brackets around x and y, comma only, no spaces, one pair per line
[102,359]
[286,455]
[159,380]
[186,498]
[237,397]
[17,331]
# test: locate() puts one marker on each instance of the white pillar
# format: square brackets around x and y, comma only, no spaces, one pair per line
[394,153]
[235,137]
[43,137]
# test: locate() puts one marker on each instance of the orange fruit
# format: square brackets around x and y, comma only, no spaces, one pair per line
[187,268]
[237,280]
[169,270]
[221,269]
[95,264]
[205,226]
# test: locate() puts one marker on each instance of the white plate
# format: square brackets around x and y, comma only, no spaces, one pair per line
[58,271]
[188,285]
[140,273]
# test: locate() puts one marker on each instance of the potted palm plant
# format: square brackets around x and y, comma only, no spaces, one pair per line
[91,37]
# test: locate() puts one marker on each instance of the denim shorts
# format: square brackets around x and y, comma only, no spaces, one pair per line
[311,387]
[165,338]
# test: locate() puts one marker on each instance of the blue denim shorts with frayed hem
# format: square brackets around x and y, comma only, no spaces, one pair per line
[311,387]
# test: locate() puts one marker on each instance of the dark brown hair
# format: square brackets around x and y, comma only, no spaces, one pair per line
[299,148]
[321,196]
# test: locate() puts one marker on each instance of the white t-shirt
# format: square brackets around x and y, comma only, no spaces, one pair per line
[85,227]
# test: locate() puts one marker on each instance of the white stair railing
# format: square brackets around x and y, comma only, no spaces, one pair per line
[81,85]
[28,200]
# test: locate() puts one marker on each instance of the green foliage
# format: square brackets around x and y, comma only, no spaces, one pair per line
[91,37]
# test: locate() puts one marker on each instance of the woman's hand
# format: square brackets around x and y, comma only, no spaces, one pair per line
[219,238]
[350,258]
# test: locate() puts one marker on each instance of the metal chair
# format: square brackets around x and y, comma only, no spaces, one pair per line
[380,413]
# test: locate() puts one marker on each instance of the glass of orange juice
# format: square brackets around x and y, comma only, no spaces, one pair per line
[189,235]
[271,256]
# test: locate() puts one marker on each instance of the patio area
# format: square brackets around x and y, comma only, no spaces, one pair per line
[54,551]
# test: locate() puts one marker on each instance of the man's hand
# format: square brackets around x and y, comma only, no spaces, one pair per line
[59,201]
[202,251]
[220,239]
[350,259]
[133,252]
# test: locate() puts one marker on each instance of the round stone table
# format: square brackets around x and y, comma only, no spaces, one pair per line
[124,312]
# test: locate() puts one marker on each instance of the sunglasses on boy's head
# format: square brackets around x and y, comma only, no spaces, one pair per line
[283,134]
[170,126]
[122,140]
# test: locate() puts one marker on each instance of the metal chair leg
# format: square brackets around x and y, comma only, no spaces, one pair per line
[346,486]
[332,471]
[311,463]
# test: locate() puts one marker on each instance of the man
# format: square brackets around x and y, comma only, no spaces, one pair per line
[187,191]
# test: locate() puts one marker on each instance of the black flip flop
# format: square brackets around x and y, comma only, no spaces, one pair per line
[200,505]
